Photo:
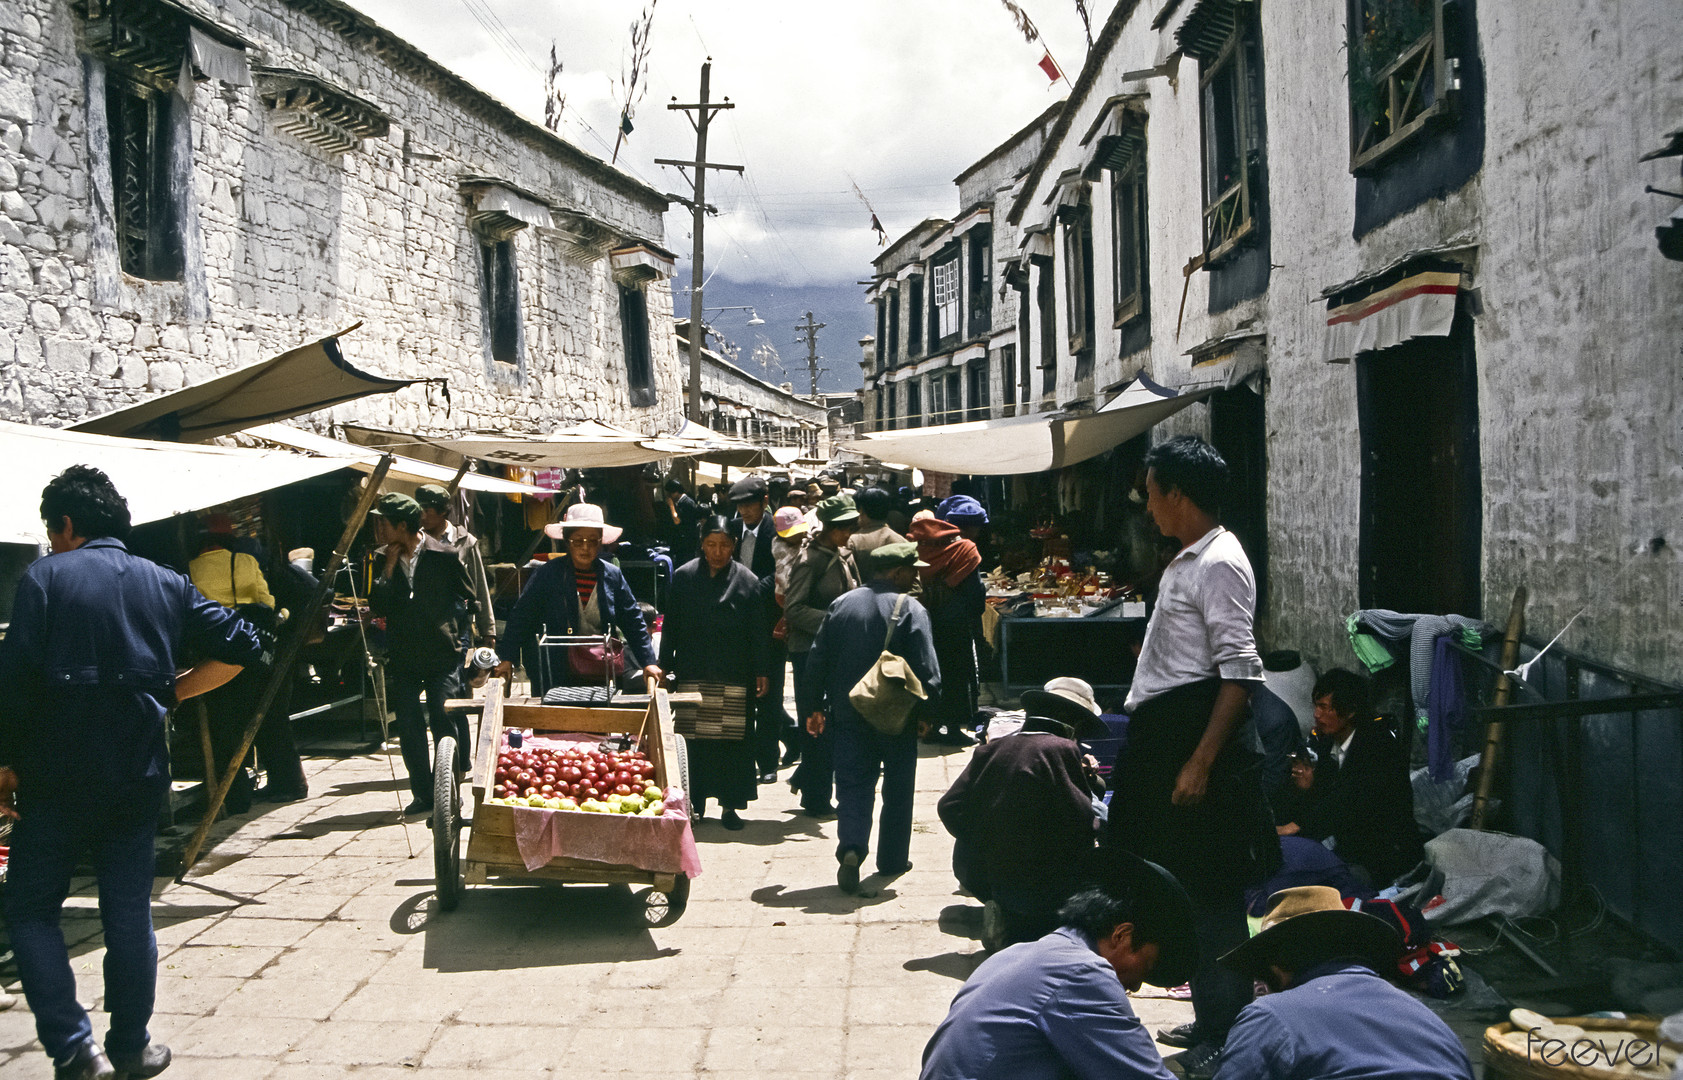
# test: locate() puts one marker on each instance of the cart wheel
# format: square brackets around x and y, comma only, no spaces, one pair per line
[447,827]
[683,755]
[664,909]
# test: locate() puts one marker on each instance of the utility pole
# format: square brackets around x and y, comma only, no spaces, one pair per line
[704,111]
[809,334]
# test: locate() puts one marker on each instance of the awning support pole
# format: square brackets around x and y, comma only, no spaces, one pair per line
[282,669]
[1504,689]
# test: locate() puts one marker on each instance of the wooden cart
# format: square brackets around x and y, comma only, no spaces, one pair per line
[492,855]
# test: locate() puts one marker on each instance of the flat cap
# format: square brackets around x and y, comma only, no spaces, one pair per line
[749,489]
[837,510]
[889,556]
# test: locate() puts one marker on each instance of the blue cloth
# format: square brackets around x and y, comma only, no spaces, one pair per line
[862,754]
[1306,862]
[550,601]
[1446,710]
[961,510]
[87,668]
[1342,1021]
[1421,632]
[115,833]
[1051,1009]
[1281,737]
[851,638]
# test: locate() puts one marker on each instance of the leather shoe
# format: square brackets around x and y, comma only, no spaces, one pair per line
[730,820]
[769,777]
[88,1063]
[822,813]
[417,808]
[138,1066]
[271,793]
[847,874]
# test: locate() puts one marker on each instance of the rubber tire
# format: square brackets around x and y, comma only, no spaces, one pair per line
[447,827]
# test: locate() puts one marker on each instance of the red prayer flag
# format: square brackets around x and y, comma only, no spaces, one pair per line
[1050,67]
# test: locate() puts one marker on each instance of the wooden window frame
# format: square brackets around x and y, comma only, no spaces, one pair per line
[1230,215]
[499,297]
[148,241]
[914,315]
[914,403]
[1008,379]
[979,254]
[1128,206]
[639,358]
[896,353]
[977,391]
[1421,67]
[1078,275]
[946,297]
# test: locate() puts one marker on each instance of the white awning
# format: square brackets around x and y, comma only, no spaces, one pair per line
[403,469]
[159,480]
[308,378]
[721,449]
[590,445]
[1420,305]
[1028,444]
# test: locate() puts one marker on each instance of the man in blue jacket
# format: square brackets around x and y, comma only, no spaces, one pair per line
[1333,1012]
[87,678]
[582,594]
[848,643]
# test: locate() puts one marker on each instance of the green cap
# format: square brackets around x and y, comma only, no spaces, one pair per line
[432,497]
[889,556]
[837,510]
[397,507]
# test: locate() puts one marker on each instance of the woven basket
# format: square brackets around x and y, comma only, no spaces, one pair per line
[1502,1062]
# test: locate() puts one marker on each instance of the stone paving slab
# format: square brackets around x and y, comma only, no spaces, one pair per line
[307,945]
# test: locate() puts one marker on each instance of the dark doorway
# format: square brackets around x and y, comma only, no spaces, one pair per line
[1421,507]
[1239,433]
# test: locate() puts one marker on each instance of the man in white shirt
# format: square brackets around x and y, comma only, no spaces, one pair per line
[1190,795]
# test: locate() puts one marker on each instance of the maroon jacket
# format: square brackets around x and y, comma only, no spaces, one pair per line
[1023,806]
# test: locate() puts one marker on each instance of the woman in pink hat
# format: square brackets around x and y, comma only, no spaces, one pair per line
[580,595]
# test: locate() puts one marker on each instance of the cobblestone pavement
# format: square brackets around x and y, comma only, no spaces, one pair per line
[306,944]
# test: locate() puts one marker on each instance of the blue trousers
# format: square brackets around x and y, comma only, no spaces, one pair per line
[116,833]
[862,754]
[413,720]
[814,775]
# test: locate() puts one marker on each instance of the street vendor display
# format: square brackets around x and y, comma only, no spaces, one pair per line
[616,809]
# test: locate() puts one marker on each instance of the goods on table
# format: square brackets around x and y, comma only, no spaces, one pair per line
[598,779]
[1531,1044]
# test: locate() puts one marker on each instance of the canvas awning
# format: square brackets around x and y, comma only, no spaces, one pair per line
[589,445]
[310,377]
[159,479]
[1029,444]
[403,469]
[1414,300]
[721,449]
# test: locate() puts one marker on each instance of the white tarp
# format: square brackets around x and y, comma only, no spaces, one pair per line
[590,445]
[159,480]
[403,469]
[1028,444]
[721,449]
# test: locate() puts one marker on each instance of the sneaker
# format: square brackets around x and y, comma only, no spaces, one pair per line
[87,1063]
[148,1062]
[847,874]
[993,927]
[1201,1062]
[1181,1036]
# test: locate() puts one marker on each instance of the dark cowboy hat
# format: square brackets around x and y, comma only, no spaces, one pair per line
[1160,903]
[1069,702]
[1311,921]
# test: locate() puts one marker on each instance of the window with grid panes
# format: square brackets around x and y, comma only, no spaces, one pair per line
[1129,275]
[943,298]
[914,403]
[1400,74]
[977,392]
[1231,121]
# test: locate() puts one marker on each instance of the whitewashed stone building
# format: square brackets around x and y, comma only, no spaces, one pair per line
[188,186]
[736,403]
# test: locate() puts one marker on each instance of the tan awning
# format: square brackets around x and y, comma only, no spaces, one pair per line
[721,449]
[403,469]
[310,377]
[589,445]
[159,479]
[1028,444]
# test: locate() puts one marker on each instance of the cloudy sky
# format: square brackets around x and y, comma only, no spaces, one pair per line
[897,96]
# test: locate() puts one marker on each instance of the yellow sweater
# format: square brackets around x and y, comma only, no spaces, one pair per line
[230,578]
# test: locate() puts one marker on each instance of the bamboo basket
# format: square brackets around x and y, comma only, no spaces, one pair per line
[1502,1062]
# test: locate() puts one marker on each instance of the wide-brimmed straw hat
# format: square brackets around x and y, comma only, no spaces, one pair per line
[1311,921]
[1068,701]
[583,516]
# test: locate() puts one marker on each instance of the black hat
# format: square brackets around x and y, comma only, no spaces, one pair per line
[1160,902]
[1311,921]
[748,489]
[1068,702]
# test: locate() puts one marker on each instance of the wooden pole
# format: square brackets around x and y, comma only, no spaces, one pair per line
[1504,689]
[283,663]
[456,482]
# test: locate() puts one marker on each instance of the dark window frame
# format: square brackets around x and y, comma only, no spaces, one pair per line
[938,339]
[1046,309]
[1401,79]
[914,315]
[914,403]
[1008,378]
[1078,279]
[1232,154]
[639,359]
[977,392]
[138,118]
[979,280]
[1130,271]
[499,302]
[896,351]
[883,344]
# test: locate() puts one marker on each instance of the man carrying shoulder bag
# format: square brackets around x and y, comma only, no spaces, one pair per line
[860,628]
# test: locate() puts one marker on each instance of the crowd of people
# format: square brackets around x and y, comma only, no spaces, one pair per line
[873,604]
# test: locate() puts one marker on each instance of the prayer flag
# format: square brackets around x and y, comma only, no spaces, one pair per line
[1050,67]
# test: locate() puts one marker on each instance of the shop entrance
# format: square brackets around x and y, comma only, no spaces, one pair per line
[1239,432]
[1421,514]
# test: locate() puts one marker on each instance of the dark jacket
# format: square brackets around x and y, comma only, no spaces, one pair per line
[87,669]
[765,563]
[849,642]
[550,601]
[421,617]
[715,628]
[1023,807]
[1367,803]
[1342,1020]
[821,576]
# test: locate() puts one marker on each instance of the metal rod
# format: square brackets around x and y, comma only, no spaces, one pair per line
[283,663]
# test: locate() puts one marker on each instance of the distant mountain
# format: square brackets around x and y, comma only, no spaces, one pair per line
[840,307]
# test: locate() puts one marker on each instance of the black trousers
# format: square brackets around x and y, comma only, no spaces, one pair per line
[772,723]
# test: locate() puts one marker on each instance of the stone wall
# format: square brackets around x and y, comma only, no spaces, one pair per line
[296,243]
[783,418]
